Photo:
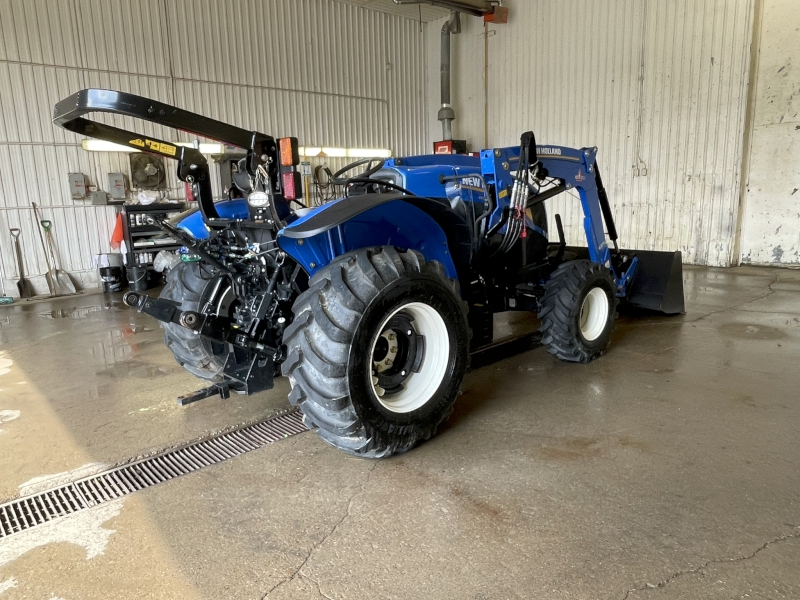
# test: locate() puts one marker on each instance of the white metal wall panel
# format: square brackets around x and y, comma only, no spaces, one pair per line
[328,72]
[39,31]
[771,223]
[660,87]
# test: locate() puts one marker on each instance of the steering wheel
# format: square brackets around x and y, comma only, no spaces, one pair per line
[240,178]
[337,178]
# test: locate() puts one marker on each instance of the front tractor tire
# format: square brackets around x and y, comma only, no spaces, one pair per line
[578,311]
[377,351]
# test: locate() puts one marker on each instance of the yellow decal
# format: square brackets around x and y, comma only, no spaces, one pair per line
[503,193]
[161,147]
[137,142]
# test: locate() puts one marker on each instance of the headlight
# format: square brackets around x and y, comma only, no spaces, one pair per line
[258,199]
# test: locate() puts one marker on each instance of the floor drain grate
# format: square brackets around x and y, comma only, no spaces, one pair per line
[24,513]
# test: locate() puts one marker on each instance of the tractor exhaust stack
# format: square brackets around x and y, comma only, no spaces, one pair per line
[446,113]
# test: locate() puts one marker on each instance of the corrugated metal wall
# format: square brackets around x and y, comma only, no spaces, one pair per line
[327,72]
[659,86]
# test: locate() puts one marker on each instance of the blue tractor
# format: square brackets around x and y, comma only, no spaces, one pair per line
[371,304]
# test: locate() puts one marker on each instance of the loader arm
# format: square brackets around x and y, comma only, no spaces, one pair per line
[644,278]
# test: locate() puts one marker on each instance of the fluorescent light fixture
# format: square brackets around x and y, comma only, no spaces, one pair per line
[368,153]
[335,152]
[312,152]
[104,146]
[204,148]
[212,148]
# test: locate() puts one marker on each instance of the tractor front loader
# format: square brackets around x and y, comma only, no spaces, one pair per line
[371,303]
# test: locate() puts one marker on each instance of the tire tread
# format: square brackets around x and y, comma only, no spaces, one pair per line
[194,353]
[557,313]
[328,315]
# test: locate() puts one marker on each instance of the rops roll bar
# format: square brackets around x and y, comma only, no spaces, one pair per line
[192,165]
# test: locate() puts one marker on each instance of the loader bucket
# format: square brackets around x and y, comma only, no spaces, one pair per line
[658,282]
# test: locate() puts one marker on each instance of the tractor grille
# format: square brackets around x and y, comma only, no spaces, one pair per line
[24,513]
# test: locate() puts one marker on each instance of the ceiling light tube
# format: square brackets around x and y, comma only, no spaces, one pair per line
[369,153]
[93,145]
[335,152]
[315,151]
[104,146]
[204,148]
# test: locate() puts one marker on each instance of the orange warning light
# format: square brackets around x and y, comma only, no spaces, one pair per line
[289,152]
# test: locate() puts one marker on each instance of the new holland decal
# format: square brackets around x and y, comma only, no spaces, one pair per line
[547,151]
[472,183]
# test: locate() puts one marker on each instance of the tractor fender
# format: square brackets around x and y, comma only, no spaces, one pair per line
[425,224]
[191,221]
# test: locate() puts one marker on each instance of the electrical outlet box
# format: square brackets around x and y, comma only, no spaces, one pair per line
[98,197]
[116,186]
[77,185]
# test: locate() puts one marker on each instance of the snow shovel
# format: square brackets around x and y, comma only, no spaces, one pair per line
[62,279]
[23,285]
[58,281]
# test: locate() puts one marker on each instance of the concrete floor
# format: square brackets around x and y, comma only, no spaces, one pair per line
[666,469]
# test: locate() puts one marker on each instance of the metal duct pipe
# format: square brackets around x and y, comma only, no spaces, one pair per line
[446,113]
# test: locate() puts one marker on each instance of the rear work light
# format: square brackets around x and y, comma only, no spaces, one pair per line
[290,156]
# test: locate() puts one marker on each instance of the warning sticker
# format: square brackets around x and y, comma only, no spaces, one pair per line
[161,147]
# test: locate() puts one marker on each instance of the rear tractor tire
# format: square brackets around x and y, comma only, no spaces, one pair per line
[377,351]
[578,311]
[198,355]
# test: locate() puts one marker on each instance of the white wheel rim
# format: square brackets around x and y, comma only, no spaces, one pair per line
[420,386]
[594,314]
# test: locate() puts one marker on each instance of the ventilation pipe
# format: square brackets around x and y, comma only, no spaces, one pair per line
[446,113]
